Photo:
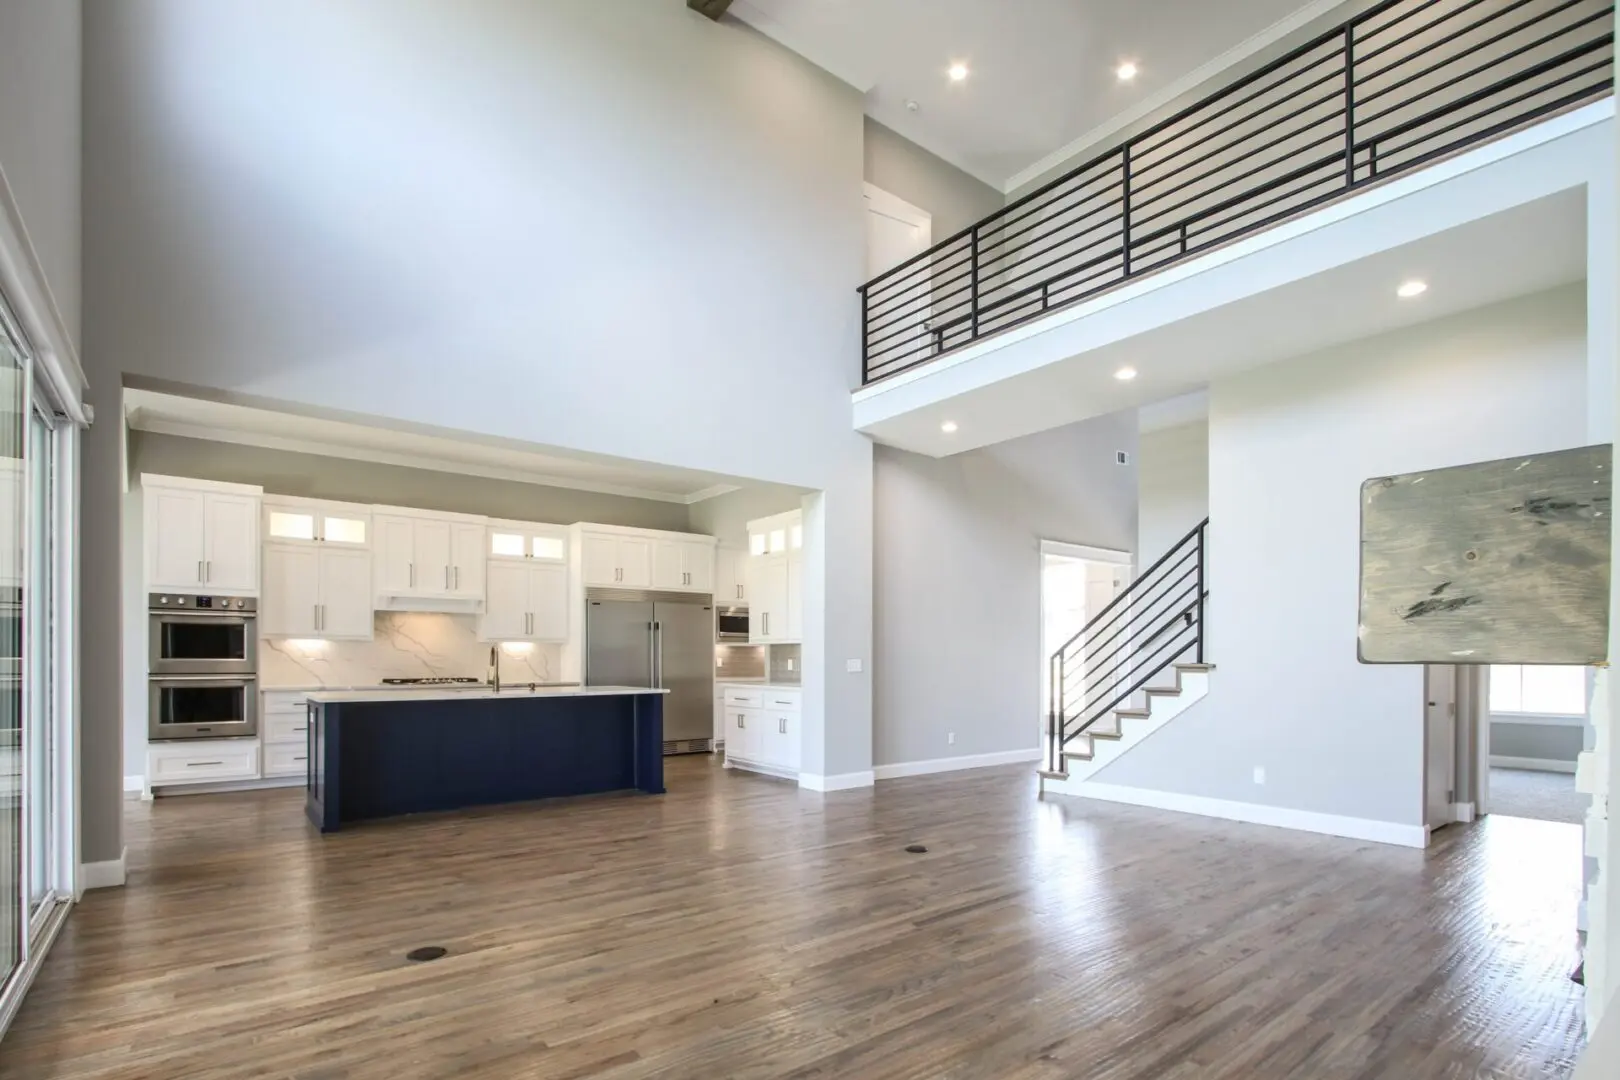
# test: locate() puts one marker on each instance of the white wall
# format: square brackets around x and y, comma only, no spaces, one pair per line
[958,606]
[1172,468]
[952,198]
[1289,446]
[595,226]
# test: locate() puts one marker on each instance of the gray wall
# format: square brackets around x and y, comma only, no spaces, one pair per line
[1172,465]
[284,472]
[632,222]
[958,607]
[39,135]
[727,516]
[901,167]
[1542,742]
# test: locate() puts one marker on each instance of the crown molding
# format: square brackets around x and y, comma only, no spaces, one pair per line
[1173,93]
[427,462]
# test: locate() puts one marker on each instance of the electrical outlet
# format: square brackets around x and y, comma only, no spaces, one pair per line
[1259,774]
[950,738]
[852,666]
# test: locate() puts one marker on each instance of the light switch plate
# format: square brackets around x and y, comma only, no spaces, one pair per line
[852,666]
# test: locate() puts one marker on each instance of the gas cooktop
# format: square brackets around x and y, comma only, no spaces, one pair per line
[434,680]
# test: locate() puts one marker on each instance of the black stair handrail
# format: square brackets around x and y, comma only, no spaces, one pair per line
[1395,87]
[1153,624]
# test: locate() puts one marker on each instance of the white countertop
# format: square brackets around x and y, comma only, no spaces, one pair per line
[484,694]
[758,684]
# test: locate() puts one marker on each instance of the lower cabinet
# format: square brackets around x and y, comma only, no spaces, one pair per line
[761,728]
[201,761]
[284,730]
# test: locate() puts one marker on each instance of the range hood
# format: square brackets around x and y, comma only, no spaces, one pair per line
[449,605]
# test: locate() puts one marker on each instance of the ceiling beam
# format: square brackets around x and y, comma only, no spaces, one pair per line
[711,8]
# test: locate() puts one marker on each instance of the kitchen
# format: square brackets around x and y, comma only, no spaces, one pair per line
[246,603]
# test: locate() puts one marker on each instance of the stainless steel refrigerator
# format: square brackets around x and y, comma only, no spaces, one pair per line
[636,639]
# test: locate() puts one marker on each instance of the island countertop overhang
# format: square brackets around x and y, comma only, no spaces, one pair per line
[519,692]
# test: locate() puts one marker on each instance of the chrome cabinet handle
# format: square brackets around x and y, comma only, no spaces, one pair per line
[208,570]
[199,571]
[413,574]
[198,764]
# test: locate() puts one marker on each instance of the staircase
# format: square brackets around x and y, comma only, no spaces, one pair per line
[1137,664]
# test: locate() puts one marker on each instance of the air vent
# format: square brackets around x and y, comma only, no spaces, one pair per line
[686,746]
[1122,457]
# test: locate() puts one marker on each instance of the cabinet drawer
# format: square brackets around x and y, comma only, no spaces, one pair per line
[782,699]
[202,762]
[288,760]
[747,699]
[285,727]
[284,701]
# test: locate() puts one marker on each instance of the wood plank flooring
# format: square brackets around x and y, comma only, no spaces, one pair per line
[740,927]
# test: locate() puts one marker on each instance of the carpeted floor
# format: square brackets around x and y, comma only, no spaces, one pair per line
[1544,796]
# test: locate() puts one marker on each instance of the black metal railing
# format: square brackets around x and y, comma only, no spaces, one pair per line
[1399,86]
[1157,622]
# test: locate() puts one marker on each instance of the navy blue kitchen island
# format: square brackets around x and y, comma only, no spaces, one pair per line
[381,754]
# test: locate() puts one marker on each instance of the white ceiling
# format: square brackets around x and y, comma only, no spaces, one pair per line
[1532,247]
[1041,71]
[199,418]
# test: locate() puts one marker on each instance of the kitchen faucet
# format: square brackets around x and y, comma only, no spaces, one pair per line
[495,668]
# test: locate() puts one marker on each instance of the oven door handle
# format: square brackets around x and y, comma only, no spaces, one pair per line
[223,680]
[172,616]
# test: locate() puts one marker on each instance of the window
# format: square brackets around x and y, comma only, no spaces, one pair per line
[1538,689]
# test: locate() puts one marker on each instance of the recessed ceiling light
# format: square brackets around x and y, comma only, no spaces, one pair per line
[1410,289]
[1125,374]
[948,427]
[957,71]
[912,106]
[1126,71]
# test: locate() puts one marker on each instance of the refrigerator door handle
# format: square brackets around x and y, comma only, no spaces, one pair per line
[658,655]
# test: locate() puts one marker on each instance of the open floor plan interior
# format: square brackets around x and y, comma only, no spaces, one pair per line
[764,538]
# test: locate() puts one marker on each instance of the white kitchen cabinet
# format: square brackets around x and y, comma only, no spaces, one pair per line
[774,575]
[612,560]
[286,759]
[761,725]
[308,521]
[201,761]
[526,602]
[744,732]
[683,565]
[314,592]
[201,536]
[730,576]
[522,540]
[780,736]
[429,556]
[794,620]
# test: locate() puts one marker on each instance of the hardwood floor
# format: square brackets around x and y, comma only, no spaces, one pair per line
[739,927]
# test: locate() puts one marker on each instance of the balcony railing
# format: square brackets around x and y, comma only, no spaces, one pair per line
[1397,87]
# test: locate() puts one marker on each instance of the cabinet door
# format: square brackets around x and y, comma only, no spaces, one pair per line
[668,564]
[739,572]
[782,731]
[506,605]
[395,554]
[346,530]
[231,560]
[635,562]
[432,543]
[754,573]
[467,559]
[743,734]
[698,563]
[794,620]
[548,602]
[600,561]
[773,597]
[174,539]
[292,592]
[346,597]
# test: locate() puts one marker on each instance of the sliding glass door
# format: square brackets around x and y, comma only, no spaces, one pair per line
[14,409]
[40,648]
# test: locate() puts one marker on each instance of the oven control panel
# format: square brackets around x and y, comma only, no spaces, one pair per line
[188,601]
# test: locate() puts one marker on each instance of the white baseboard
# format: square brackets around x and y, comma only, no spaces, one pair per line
[1462,812]
[951,764]
[134,784]
[103,875]
[1534,764]
[1380,832]
[837,782]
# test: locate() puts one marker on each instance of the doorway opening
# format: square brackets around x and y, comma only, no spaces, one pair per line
[1535,729]
[1077,583]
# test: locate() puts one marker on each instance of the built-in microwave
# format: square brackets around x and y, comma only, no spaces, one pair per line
[730,624]
[202,635]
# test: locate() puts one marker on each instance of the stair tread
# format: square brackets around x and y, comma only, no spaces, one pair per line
[1083,755]
[1163,691]
[1138,714]
[1195,667]
[1048,774]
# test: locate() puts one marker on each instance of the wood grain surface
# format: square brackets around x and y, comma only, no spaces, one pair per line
[1501,562]
[740,927]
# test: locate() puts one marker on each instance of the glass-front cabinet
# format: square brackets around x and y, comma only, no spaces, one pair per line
[527,540]
[314,522]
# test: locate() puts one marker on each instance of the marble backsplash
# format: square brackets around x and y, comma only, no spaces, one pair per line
[408,644]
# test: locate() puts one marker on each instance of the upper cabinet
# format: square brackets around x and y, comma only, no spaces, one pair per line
[426,556]
[307,521]
[527,602]
[201,536]
[316,592]
[519,540]
[612,557]
[730,576]
[683,565]
[775,579]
